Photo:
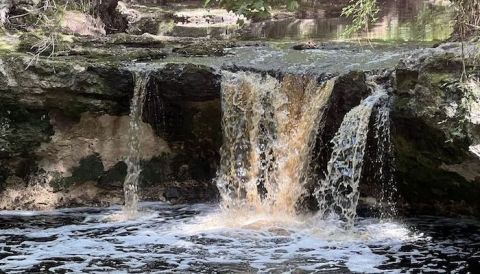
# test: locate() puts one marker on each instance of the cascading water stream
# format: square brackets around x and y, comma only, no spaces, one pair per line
[130,186]
[384,159]
[269,127]
[338,192]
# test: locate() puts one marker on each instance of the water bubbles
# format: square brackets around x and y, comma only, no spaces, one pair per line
[338,192]
[133,158]
[269,128]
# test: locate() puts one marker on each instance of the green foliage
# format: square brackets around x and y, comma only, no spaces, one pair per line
[363,13]
[467,18]
[258,9]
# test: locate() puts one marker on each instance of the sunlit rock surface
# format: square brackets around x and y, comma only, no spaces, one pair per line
[435,130]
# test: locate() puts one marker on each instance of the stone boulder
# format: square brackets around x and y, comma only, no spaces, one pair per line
[436,132]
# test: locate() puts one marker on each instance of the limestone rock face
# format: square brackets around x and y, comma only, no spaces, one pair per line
[436,133]
[183,106]
[64,126]
[71,85]
[104,136]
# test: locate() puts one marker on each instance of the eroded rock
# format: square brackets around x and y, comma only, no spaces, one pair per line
[433,134]
[65,126]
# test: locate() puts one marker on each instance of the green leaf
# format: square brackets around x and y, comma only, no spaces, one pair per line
[292,5]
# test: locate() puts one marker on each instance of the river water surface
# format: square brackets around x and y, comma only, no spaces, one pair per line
[202,239]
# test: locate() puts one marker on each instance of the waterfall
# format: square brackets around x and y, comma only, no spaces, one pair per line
[269,127]
[338,192]
[130,186]
[384,159]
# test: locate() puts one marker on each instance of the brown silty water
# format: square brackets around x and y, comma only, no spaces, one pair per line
[269,126]
[130,186]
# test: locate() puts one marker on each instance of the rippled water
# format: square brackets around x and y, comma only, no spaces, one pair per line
[400,20]
[200,239]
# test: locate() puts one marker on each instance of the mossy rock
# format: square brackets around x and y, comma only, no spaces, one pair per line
[90,169]
[114,177]
[430,131]
[22,129]
[42,44]
[129,40]
[420,153]
[204,49]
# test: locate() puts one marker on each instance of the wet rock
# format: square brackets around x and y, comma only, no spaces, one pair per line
[96,145]
[129,40]
[349,89]
[116,54]
[90,168]
[187,82]
[190,192]
[64,127]
[157,170]
[183,106]
[114,177]
[172,193]
[73,86]
[204,49]
[22,130]
[304,46]
[433,135]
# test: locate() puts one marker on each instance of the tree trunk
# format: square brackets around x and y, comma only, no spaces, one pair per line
[114,21]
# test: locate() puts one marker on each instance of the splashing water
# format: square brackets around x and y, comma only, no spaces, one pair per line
[384,159]
[338,192]
[268,127]
[130,186]
[184,239]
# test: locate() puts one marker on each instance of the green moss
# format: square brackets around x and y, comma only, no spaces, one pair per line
[115,176]
[26,129]
[156,170]
[44,43]
[89,169]
[420,152]
[438,79]
[6,46]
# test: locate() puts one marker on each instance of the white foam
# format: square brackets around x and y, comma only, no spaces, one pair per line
[207,238]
